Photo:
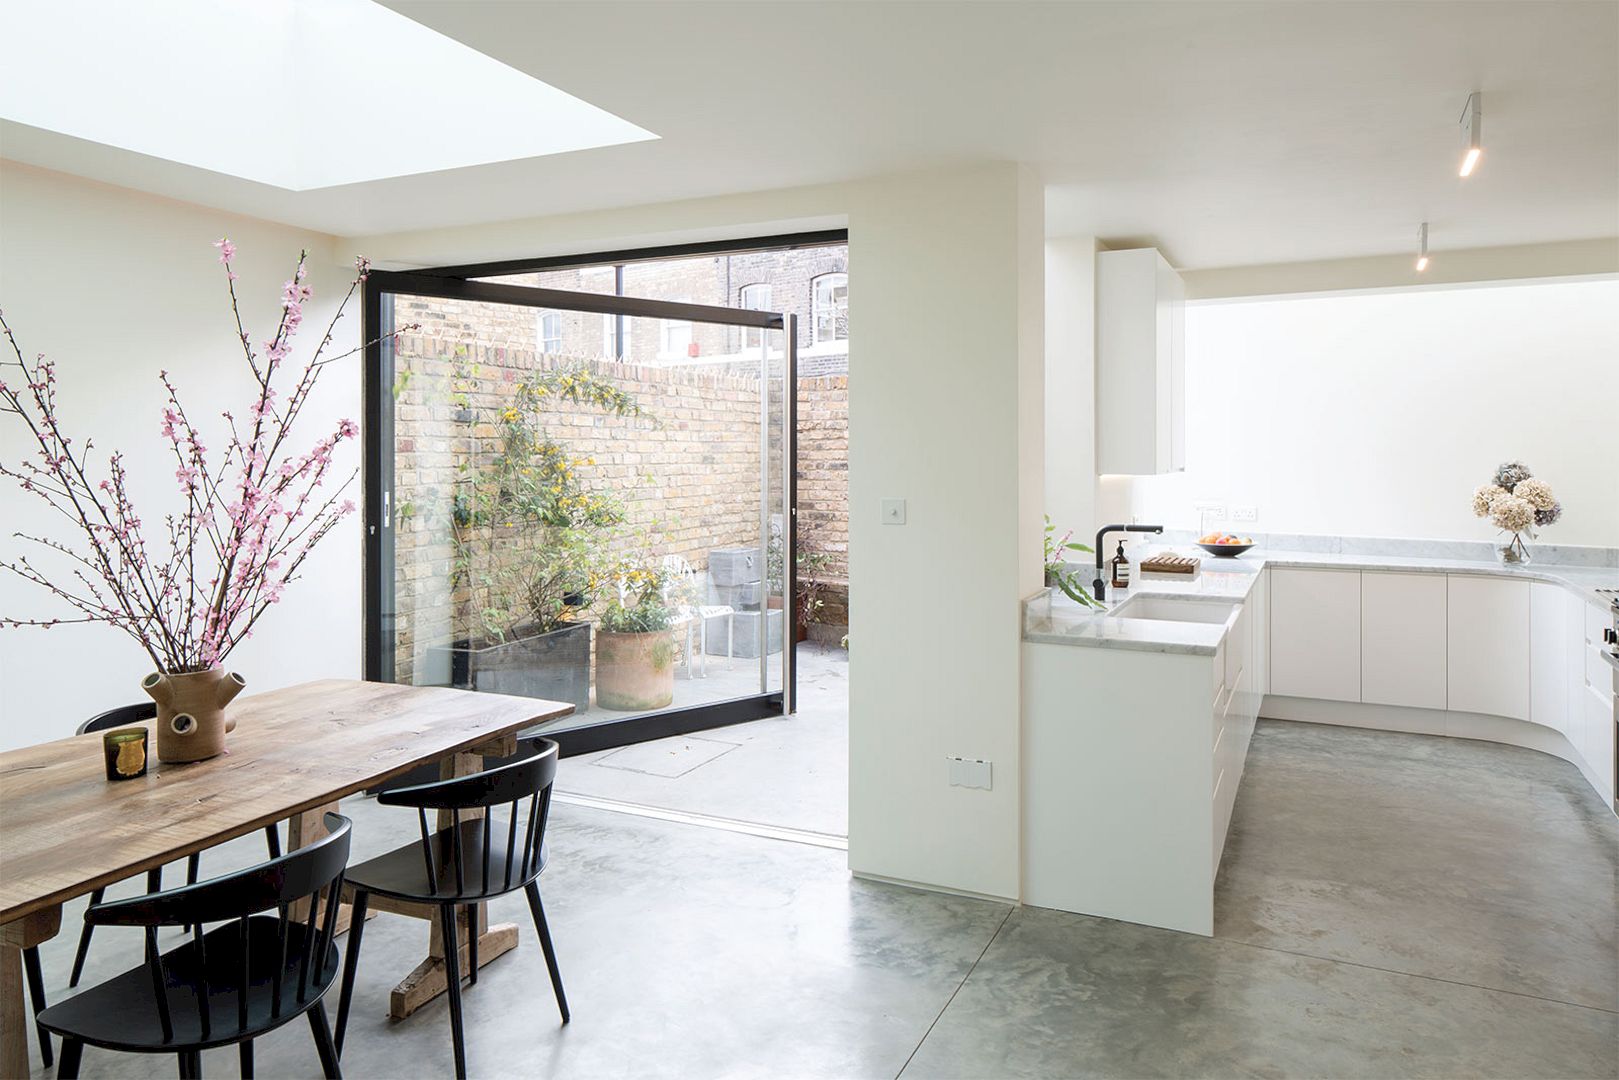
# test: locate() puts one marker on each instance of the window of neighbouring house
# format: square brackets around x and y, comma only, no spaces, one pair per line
[829,308]
[550,332]
[753,298]
[674,335]
[612,346]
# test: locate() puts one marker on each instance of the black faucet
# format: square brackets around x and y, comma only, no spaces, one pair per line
[1099,587]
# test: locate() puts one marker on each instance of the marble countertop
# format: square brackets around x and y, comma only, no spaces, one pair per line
[1051,618]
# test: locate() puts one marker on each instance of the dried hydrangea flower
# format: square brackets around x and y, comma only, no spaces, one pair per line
[1538,492]
[1549,515]
[1511,513]
[1511,474]
[1482,497]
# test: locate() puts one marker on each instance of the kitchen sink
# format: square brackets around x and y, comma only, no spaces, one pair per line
[1166,609]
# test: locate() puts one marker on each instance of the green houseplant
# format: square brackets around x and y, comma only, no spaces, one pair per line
[527,536]
[635,646]
[1058,576]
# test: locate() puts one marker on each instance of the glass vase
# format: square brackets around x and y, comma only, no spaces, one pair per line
[1513,548]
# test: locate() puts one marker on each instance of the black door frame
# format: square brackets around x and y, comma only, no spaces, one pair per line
[458,282]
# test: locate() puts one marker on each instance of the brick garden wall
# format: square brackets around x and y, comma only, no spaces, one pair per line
[688,482]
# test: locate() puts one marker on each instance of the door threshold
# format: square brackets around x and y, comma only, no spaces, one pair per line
[707,821]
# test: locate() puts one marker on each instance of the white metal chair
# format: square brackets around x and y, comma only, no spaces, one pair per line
[679,590]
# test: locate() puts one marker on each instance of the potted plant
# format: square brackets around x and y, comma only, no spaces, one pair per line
[1058,576]
[245,519]
[809,565]
[635,646]
[527,535]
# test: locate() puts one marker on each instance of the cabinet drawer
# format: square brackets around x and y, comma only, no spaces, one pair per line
[1596,620]
[1598,674]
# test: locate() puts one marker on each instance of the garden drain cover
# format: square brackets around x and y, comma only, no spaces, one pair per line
[666,757]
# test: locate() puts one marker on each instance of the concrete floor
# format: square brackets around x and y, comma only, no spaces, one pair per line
[1389,905]
[790,772]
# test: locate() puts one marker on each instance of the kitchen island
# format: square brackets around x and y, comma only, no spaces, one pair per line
[1137,720]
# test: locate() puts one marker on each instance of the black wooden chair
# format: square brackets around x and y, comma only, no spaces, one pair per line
[123,716]
[261,968]
[464,864]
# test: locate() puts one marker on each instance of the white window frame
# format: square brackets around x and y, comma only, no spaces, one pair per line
[675,336]
[755,297]
[555,317]
[608,324]
[818,308]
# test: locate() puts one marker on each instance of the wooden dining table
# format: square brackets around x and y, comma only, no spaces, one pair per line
[65,830]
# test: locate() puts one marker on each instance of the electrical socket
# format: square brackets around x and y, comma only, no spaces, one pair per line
[968,772]
[1208,510]
[1245,513]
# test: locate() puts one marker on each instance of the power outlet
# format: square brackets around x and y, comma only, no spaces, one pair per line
[969,772]
[1245,513]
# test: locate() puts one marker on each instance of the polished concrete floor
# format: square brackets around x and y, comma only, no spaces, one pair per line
[789,772]
[1389,906]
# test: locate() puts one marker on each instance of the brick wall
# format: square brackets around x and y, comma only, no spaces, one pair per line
[687,479]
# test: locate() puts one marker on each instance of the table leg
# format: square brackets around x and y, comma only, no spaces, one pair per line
[302,830]
[429,979]
[16,1022]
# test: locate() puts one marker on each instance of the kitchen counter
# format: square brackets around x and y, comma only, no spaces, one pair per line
[1051,618]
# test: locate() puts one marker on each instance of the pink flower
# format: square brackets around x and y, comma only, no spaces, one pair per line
[347,429]
[227,250]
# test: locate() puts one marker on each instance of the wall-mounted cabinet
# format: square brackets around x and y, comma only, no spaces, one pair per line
[1140,364]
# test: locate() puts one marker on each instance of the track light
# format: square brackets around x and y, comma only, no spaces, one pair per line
[1472,126]
[1422,247]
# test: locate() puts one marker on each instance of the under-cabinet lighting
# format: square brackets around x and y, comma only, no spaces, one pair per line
[1422,247]
[1472,128]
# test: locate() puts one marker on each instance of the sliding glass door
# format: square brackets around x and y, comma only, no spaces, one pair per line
[581,496]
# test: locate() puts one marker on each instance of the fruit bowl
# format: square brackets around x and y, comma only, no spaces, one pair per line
[1224,545]
[1225,551]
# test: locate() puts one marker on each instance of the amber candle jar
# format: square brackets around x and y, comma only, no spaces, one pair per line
[125,751]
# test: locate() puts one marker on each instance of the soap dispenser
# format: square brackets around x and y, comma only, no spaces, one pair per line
[1121,569]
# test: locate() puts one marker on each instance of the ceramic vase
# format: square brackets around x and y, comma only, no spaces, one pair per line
[191,720]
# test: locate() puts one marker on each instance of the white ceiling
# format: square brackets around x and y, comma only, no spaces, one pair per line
[1227,133]
[197,97]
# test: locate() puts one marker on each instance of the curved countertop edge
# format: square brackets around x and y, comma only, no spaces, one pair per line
[1052,619]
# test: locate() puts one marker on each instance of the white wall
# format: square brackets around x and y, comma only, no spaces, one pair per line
[115,286]
[1378,414]
[1070,480]
[945,411]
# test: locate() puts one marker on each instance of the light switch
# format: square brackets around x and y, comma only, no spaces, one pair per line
[893,511]
[968,772]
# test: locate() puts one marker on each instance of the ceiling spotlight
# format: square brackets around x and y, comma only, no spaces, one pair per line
[1422,247]
[1472,124]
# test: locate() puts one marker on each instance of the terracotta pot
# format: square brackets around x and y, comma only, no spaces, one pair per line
[635,671]
[191,721]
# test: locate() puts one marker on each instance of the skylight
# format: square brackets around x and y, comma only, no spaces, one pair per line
[299,94]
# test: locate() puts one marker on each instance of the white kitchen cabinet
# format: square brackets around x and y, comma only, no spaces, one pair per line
[1551,634]
[1402,639]
[1259,604]
[1140,364]
[1488,665]
[1315,633]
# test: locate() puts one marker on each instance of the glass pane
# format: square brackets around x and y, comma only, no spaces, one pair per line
[573,527]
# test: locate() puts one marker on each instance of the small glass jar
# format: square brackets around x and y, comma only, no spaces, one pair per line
[125,751]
